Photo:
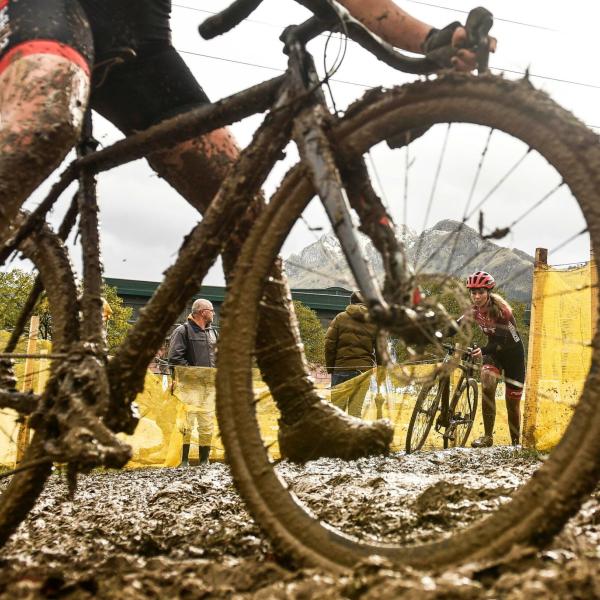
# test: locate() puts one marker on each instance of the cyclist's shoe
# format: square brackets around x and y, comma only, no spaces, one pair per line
[204,453]
[333,434]
[485,441]
[185,453]
[449,433]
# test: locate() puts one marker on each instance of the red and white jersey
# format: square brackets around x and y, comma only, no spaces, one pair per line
[501,331]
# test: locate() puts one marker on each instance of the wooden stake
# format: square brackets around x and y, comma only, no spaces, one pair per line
[29,379]
[534,353]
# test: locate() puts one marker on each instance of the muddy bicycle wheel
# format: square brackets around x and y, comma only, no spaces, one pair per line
[423,415]
[47,254]
[538,509]
[463,409]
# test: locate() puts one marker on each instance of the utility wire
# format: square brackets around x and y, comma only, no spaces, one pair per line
[231,60]
[277,69]
[367,86]
[465,12]
[548,77]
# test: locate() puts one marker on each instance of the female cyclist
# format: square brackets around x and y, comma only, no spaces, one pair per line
[504,353]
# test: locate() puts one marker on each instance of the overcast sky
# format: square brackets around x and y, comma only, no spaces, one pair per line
[144,220]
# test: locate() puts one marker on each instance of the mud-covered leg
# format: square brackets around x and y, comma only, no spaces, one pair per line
[42,102]
[194,168]
[489,383]
[513,410]
[489,412]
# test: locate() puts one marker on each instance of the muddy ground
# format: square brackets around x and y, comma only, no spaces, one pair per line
[161,533]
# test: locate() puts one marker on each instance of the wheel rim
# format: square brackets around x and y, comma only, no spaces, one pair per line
[424,415]
[579,444]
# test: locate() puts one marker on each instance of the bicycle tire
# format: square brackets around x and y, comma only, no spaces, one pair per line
[538,509]
[460,440]
[422,408]
[46,251]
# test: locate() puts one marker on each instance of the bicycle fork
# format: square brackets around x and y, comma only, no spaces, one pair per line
[399,311]
[318,156]
[315,149]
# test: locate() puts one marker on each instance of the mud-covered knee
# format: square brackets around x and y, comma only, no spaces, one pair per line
[489,376]
[42,104]
[43,98]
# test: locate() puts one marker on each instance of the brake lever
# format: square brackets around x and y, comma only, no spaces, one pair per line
[478,25]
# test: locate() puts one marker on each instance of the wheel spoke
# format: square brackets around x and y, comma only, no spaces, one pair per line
[537,204]
[497,185]
[524,270]
[432,193]
[457,233]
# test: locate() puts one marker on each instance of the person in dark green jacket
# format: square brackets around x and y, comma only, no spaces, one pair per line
[349,352]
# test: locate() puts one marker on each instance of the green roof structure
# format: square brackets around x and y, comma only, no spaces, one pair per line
[325,302]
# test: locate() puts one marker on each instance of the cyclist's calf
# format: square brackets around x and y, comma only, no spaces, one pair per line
[42,104]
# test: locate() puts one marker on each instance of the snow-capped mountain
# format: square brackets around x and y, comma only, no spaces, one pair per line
[444,248]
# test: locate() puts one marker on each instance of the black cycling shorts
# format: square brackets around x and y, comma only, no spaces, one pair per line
[143,91]
[510,360]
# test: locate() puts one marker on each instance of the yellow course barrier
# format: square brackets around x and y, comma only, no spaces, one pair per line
[563,302]
[182,409]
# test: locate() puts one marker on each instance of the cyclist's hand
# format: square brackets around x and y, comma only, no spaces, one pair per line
[476,352]
[465,59]
[447,47]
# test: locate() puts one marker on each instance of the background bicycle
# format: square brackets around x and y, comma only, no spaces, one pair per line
[454,395]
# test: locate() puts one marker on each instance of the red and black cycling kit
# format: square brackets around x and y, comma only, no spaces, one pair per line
[154,85]
[504,350]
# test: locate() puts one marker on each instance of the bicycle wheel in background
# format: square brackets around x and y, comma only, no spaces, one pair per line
[423,415]
[47,254]
[516,114]
[463,409]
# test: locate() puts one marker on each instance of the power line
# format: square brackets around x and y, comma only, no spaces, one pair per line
[213,12]
[466,12]
[550,78]
[547,77]
[366,86]
[277,69]
[232,60]
[457,10]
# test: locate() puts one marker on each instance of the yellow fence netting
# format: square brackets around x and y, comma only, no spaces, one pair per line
[562,326]
[30,376]
[181,409]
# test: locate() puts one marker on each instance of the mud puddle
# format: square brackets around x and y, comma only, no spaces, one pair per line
[157,533]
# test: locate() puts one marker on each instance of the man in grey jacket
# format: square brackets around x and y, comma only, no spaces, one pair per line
[193,344]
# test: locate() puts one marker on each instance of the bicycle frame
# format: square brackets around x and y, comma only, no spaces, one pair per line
[466,366]
[298,111]
[285,95]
